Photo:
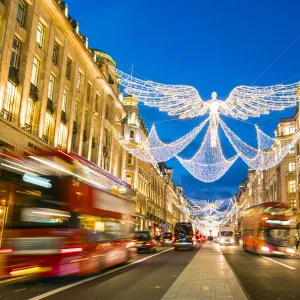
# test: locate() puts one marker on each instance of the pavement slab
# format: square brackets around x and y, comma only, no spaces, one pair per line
[207,276]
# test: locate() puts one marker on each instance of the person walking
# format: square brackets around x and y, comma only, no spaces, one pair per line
[296,241]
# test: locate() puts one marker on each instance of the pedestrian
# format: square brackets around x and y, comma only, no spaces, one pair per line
[296,241]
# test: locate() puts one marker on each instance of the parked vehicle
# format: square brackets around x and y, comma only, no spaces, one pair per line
[226,234]
[184,236]
[167,239]
[144,241]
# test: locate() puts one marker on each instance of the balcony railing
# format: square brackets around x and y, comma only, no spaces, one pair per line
[63,117]
[33,92]
[7,115]
[28,128]
[50,108]
[45,139]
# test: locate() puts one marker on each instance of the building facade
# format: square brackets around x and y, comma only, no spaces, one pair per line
[55,91]
[157,204]
[281,182]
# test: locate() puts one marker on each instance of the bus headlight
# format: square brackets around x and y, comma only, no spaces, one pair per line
[265,249]
[290,250]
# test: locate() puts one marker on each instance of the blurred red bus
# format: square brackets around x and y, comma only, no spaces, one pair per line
[76,222]
[266,229]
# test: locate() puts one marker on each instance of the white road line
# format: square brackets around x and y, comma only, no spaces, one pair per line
[63,288]
[277,262]
[20,290]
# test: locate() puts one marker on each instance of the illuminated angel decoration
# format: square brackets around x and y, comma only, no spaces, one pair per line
[242,103]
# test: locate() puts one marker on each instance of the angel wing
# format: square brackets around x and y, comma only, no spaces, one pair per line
[253,101]
[177,100]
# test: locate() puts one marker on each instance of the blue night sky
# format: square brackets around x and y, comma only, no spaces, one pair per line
[211,45]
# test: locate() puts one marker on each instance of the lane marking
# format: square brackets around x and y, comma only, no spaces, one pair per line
[277,262]
[19,290]
[66,287]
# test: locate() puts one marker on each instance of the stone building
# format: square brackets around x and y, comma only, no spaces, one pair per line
[157,199]
[55,91]
[279,183]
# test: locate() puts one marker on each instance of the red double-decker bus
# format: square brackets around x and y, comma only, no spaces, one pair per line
[266,229]
[65,216]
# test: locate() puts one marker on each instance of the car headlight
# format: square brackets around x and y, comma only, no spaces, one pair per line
[231,240]
[222,240]
[290,250]
[265,249]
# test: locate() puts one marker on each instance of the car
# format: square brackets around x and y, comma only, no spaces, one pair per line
[167,239]
[184,236]
[144,241]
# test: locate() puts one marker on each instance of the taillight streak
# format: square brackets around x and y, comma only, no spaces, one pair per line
[5,251]
[70,250]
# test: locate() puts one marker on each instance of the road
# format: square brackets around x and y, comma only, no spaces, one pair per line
[147,277]
[265,278]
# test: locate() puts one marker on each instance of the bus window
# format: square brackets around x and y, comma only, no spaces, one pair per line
[278,236]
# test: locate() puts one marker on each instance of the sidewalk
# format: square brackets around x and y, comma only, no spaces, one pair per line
[207,276]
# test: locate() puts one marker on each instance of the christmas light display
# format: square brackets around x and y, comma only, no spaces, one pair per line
[153,150]
[206,215]
[269,152]
[184,101]
[209,163]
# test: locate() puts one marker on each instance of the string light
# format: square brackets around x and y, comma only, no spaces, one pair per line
[269,153]
[184,101]
[209,163]
[153,150]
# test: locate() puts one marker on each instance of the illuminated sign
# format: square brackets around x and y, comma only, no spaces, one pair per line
[37,180]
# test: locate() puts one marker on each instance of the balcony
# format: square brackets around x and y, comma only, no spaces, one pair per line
[50,108]
[45,139]
[7,115]
[33,93]
[63,117]
[27,128]
[13,75]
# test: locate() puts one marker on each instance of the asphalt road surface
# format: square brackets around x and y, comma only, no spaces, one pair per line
[265,278]
[146,277]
